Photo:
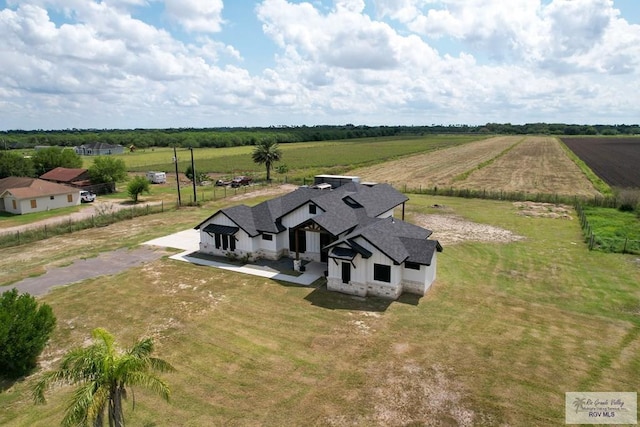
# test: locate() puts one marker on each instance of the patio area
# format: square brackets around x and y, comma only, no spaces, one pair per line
[282,269]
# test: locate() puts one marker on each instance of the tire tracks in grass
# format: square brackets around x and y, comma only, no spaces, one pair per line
[607,358]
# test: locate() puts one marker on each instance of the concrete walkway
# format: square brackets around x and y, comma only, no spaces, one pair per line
[189,241]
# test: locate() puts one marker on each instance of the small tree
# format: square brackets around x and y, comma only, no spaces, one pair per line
[25,328]
[266,153]
[200,176]
[104,373]
[107,170]
[137,186]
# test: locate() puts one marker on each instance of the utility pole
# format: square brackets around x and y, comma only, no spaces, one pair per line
[175,161]
[193,170]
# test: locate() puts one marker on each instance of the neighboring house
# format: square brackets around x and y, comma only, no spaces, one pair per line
[351,228]
[99,149]
[20,195]
[68,176]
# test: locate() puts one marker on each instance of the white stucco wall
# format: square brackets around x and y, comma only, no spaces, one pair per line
[362,282]
[44,203]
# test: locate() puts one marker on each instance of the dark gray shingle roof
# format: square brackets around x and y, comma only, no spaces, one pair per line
[397,239]
[335,215]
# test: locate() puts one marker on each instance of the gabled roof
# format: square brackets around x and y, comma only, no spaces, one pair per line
[63,174]
[99,146]
[398,240]
[337,215]
[28,188]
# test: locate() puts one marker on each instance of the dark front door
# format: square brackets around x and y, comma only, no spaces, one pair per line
[325,239]
[346,272]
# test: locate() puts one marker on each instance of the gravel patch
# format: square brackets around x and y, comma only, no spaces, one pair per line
[106,263]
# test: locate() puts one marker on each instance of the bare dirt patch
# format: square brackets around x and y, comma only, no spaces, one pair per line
[450,229]
[544,210]
[268,191]
[412,394]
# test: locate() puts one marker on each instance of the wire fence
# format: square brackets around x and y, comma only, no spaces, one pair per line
[100,219]
[606,244]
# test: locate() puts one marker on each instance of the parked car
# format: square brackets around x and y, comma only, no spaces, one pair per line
[87,196]
[240,180]
[222,183]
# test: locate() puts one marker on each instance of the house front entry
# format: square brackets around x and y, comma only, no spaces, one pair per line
[325,239]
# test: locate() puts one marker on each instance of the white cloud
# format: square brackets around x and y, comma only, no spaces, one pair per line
[523,60]
[203,16]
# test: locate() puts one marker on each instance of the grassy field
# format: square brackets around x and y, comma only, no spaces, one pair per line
[529,164]
[312,157]
[614,231]
[506,330]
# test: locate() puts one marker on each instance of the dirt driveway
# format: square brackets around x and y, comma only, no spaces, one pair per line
[104,206]
[107,263]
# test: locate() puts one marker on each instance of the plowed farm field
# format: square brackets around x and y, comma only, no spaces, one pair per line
[616,160]
[531,164]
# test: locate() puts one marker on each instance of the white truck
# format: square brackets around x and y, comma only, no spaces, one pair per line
[157,177]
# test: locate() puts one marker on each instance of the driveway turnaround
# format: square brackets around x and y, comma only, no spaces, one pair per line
[114,262]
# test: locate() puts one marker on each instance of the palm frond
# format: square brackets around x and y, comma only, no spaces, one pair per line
[76,413]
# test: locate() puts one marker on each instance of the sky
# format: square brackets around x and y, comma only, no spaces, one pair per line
[122,64]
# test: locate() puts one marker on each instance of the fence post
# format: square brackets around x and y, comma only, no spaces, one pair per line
[624,250]
[591,242]
[45,231]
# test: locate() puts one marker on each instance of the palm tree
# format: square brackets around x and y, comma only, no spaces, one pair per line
[266,152]
[104,374]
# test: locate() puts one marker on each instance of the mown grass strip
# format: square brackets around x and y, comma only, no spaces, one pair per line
[599,184]
[465,175]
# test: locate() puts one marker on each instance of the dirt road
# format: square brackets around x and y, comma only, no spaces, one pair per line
[99,207]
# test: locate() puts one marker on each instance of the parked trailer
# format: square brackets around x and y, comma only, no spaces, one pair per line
[157,177]
[335,180]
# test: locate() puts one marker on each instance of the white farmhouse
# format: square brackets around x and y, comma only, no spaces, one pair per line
[351,228]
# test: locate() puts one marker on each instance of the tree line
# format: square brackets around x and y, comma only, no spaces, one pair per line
[239,136]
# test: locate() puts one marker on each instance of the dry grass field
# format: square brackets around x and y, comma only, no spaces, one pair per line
[530,164]
[438,168]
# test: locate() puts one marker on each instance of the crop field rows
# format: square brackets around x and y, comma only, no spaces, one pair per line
[321,156]
[530,164]
[615,160]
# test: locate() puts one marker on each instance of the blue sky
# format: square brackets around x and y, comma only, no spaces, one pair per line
[208,63]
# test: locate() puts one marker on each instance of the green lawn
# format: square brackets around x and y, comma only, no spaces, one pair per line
[312,157]
[613,229]
[10,220]
[504,332]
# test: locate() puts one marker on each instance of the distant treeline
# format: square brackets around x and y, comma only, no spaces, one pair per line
[230,137]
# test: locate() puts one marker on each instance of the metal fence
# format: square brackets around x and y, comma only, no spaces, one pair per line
[36,233]
[606,244]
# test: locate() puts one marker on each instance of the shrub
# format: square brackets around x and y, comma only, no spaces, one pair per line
[25,328]
[137,186]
